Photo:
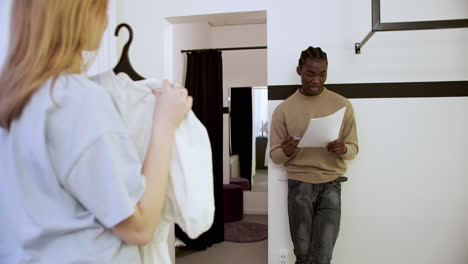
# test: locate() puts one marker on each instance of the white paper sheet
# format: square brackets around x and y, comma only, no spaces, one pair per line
[322,131]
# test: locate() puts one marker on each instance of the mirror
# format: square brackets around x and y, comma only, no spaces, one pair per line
[248,133]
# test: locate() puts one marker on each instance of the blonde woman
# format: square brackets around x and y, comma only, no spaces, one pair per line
[71,187]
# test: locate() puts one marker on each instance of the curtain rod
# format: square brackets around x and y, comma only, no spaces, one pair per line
[222,49]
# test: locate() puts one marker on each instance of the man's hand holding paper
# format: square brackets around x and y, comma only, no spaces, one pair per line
[289,145]
[338,146]
[324,132]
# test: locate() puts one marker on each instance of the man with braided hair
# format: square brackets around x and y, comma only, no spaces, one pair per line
[314,174]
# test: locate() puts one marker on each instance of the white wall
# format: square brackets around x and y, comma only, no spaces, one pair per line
[422,10]
[427,55]
[391,201]
[106,57]
[5,6]
[242,68]
[185,37]
[406,196]
[391,205]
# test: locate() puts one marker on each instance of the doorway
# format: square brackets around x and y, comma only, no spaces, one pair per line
[241,68]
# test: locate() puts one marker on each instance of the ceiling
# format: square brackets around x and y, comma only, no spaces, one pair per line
[224,19]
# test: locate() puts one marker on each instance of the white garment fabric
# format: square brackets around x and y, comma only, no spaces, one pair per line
[68,173]
[190,198]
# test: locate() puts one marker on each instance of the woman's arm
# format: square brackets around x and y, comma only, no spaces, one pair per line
[172,107]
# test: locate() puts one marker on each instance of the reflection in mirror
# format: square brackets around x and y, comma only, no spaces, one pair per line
[244,203]
[249,136]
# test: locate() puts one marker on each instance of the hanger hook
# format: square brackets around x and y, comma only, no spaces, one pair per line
[130,32]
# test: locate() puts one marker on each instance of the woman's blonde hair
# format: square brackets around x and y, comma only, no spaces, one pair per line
[47,38]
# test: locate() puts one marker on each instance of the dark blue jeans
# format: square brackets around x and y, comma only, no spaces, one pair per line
[314,220]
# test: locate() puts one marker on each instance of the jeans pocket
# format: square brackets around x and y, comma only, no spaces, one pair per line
[337,185]
[292,184]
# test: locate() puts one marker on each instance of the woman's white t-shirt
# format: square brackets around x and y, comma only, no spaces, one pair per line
[190,195]
[68,173]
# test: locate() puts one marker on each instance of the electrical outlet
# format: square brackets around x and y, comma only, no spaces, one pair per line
[283,257]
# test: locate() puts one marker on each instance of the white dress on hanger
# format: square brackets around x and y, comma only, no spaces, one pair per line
[190,197]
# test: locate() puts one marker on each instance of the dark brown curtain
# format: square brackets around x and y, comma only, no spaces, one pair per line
[204,81]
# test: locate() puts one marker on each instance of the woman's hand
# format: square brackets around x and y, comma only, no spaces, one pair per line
[172,105]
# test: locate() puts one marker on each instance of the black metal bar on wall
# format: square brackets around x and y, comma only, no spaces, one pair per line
[375,13]
[382,90]
[423,25]
[378,26]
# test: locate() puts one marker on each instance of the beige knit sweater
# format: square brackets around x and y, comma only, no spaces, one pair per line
[291,118]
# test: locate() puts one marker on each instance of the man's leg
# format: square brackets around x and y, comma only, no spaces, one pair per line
[301,197]
[327,225]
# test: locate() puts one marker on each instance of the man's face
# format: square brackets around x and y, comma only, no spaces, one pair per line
[313,76]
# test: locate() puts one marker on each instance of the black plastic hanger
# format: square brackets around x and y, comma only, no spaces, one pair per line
[124,64]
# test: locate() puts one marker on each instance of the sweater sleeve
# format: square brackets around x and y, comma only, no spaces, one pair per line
[278,132]
[349,134]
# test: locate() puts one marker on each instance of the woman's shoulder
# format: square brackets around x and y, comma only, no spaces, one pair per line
[83,104]
[67,93]
[77,86]
[77,90]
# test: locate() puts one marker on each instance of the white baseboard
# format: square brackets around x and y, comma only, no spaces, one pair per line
[255,202]
[262,212]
